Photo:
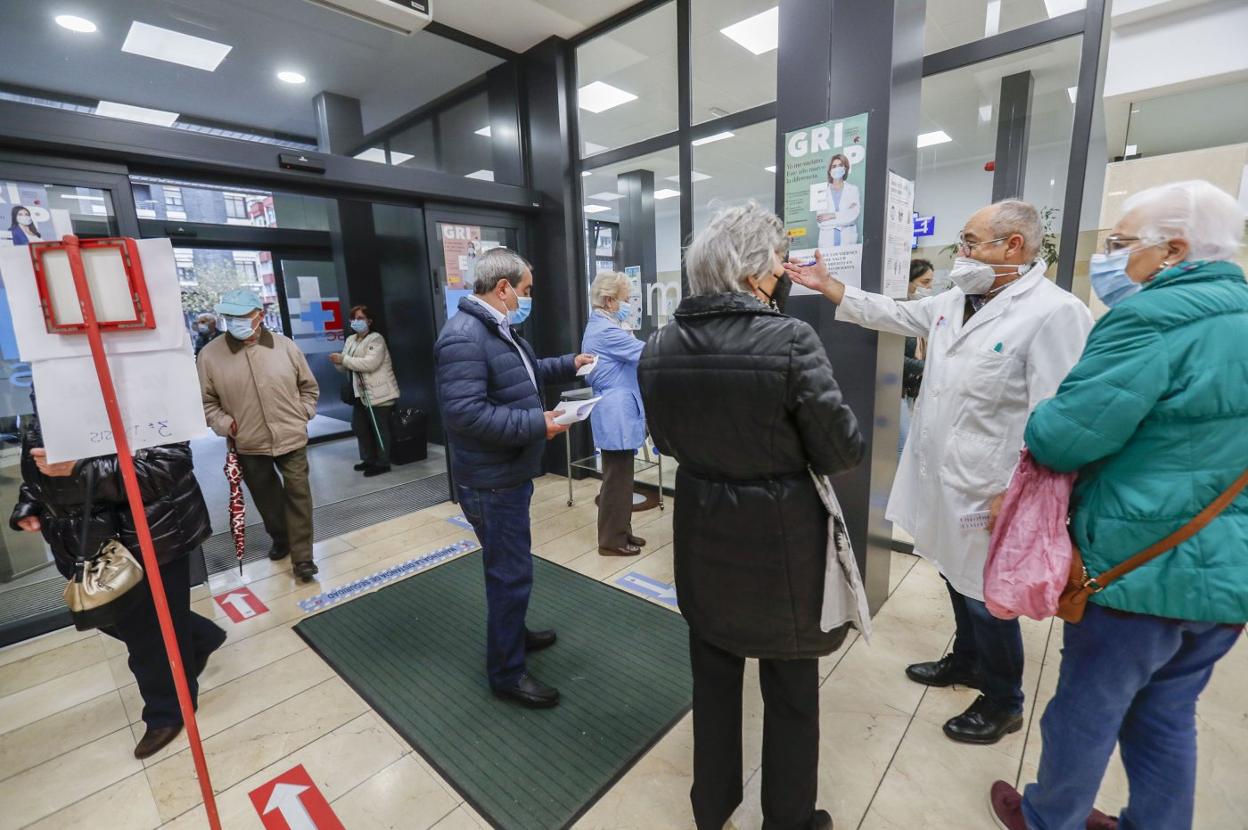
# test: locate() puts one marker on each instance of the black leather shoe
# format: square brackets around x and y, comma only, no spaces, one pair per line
[155,739]
[821,821]
[306,571]
[376,470]
[201,659]
[636,540]
[982,723]
[944,672]
[363,465]
[277,552]
[530,692]
[538,640]
[627,550]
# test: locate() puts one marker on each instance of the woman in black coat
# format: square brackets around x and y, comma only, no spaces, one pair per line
[53,501]
[744,398]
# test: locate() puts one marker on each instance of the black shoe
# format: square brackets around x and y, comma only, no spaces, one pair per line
[363,465]
[201,660]
[278,552]
[376,470]
[636,541]
[538,640]
[821,821]
[946,671]
[306,571]
[982,723]
[530,692]
[155,739]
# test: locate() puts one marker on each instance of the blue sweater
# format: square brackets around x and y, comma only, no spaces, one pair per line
[494,416]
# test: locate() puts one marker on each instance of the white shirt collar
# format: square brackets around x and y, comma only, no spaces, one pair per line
[498,316]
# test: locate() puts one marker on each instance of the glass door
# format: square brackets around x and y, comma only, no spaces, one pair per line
[457,239]
[316,324]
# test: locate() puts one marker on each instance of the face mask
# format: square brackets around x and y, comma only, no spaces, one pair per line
[838,173]
[623,311]
[1109,277]
[780,294]
[521,312]
[24,219]
[240,328]
[921,293]
[975,277]
[202,328]
[359,326]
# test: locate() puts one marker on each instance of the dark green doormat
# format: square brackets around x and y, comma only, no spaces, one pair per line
[416,652]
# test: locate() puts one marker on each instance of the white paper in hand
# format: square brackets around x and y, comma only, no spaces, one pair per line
[574,411]
[589,367]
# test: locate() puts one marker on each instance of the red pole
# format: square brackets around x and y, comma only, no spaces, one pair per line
[134,495]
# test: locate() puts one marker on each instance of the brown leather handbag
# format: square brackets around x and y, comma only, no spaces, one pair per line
[1080,585]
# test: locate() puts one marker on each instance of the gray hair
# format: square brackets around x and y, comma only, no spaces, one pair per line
[498,264]
[737,243]
[1014,216]
[1211,222]
[607,285]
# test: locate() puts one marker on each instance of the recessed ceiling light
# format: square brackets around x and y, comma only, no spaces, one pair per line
[759,34]
[485,131]
[75,23]
[174,47]
[1052,182]
[696,176]
[600,97]
[607,197]
[771,168]
[666,193]
[985,113]
[1132,150]
[591,148]
[1058,7]
[399,158]
[938,137]
[373,154]
[291,77]
[126,112]
[585,174]
[710,138]
[80,198]
[483,175]
[1073,92]
[596,209]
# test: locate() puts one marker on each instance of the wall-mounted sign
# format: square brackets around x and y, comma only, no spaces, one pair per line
[924,225]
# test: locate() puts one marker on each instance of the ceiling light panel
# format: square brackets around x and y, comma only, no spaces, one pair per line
[711,138]
[75,23]
[485,131]
[596,209]
[600,97]
[759,34]
[607,197]
[666,193]
[126,112]
[933,138]
[399,158]
[771,168]
[291,77]
[1073,92]
[174,47]
[373,154]
[1060,7]
[696,176]
[483,175]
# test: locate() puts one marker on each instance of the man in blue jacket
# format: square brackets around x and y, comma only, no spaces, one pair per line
[489,387]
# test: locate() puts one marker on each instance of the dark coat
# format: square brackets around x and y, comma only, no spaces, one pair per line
[744,398]
[912,378]
[176,513]
[494,416]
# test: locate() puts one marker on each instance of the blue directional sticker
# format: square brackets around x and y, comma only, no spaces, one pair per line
[647,587]
[460,521]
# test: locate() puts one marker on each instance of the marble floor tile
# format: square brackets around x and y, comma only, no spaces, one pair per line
[898,567]
[124,805]
[52,696]
[62,732]
[48,665]
[563,549]
[60,782]
[462,818]
[46,642]
[872,678]
[403,796]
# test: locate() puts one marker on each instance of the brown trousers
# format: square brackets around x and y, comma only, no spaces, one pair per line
[284,501]
[615,499]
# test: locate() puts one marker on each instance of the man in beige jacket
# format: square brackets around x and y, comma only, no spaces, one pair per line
[258,390]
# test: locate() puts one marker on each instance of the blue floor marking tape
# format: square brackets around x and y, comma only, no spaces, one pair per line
[368,583]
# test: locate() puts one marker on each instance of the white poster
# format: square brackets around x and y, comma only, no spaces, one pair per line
[898,237]
[633,272]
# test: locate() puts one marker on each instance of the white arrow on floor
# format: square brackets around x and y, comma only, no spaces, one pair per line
[654,588]
[239,600]
[285,799]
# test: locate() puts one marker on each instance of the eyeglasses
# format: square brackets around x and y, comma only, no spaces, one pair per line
[966,247]
[1118,242]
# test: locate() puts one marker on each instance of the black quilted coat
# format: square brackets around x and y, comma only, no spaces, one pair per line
[175,507]
[744,398]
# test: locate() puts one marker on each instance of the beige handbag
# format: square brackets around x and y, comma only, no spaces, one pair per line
[102,589]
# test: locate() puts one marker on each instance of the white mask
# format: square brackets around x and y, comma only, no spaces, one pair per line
[25,219]
[975,277]
[921,293]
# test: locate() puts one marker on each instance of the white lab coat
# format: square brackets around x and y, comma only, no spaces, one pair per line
[846,220]
[980,383]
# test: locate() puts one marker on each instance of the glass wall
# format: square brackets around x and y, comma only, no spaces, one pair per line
[733,171]
[953,23]
[733,53]
[176,200]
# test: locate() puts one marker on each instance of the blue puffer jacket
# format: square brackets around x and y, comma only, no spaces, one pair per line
[493,414]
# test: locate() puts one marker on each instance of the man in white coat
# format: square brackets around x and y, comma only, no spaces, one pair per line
[999,342]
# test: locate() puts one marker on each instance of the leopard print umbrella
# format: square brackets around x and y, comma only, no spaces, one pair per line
[238,507]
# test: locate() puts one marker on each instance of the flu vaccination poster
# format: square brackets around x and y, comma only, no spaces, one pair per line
[824,176]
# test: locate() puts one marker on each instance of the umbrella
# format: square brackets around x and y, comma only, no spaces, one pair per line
[238,507]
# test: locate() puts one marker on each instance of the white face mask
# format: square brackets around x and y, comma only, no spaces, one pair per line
[25,219]
[975,277]
[922,292]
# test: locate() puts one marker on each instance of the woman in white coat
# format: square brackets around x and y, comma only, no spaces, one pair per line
[374,391]
[840,206]
[998,343]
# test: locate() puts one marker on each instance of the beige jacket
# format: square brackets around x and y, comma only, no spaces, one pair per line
[368,360]
[267,388]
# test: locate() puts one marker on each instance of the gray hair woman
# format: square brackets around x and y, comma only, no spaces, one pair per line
[744,398]
[618,421]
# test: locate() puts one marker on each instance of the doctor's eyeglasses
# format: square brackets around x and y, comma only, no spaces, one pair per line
[965,246]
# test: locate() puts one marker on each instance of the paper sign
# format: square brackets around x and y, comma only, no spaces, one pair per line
[240,604]
[574,411]
[292,801]
[898,237]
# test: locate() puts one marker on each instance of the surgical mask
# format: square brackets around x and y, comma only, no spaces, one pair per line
[623,311]
[921,293]
[1109,277]
[25,219]
[202,328]
[240,328]
[975,277]
[837,173]
[524,305]
[359,326]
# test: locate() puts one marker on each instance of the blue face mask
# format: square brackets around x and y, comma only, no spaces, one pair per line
[1109,277]
[623,311]
[519,314]
[240,328]
[359,326]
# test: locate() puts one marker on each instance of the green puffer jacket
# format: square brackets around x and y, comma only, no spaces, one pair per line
[1154,417]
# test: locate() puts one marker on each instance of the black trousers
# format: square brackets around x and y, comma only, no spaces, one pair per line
[371,452]
[790,738]
[140,631]
[615,499]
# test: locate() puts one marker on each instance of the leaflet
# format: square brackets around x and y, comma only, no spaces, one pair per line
[574,411]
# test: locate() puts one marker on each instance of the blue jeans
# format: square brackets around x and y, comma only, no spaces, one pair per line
[1132,680]
[994,646]
[501,521]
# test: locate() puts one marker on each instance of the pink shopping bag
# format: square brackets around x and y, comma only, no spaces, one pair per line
[1030,551]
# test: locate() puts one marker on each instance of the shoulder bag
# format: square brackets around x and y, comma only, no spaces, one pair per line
[104,586]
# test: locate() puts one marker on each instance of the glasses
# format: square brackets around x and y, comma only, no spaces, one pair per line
[965,246]
[1118,242]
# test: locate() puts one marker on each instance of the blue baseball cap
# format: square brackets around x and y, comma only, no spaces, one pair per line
[239,303]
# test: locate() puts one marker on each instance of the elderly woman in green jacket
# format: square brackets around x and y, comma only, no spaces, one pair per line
[1154,417]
